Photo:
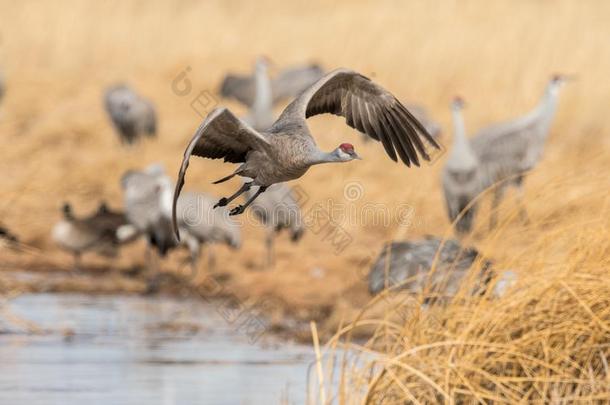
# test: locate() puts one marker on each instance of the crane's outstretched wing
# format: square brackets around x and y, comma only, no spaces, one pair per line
[241,88]
[293,81]
[221,136]
[368,108]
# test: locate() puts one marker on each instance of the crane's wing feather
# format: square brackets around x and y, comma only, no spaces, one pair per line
[293,81]
[241,88]
[368,108]
[220,135]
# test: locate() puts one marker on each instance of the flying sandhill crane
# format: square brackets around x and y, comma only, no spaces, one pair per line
[507,151]
[96,232]
[410,263]
[462,174]
[260,92]
[131,115]
[287,150]
[148,202]
[278,209]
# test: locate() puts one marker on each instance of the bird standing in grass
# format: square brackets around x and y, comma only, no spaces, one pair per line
[287,150]
[509,150]
[97,232]
[131,115]
[148,202]
[461,176]
[260,92]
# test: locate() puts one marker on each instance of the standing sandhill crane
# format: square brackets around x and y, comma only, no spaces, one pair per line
[96,232]
[509,150]
[277,209]
[287,150]
[410,263]
[462,174]
[144,193]
[148,202]
[131,114]
[259,92]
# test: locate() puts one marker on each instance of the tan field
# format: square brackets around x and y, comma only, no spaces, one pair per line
[546,340]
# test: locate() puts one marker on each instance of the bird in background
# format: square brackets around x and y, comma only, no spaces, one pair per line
[461,176]
[148,201]
[96,232]
[259,92]
[287,149]
[408,264]
[132,115]
[277,209]
[508,151]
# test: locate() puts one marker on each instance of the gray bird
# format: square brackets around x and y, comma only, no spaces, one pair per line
[96,232]
[148,201]
[260,92]
[287,150]
[144,193]
[131,115]
[410,263]
[461,177]
[277,209]
[507,151]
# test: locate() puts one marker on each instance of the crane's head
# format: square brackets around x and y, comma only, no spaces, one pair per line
[457,103]
[66,209]
[558,80]
[263,62]
[345,152]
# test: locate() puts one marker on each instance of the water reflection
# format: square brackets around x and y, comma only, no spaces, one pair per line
[134,350]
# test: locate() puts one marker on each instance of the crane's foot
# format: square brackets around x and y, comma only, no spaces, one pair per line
[237,210]
[222,202]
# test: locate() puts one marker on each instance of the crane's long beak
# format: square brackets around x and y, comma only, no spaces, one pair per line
[356,156]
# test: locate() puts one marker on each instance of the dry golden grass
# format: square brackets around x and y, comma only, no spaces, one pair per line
[545,340]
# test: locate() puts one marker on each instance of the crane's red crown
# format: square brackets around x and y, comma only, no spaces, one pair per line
[346,147]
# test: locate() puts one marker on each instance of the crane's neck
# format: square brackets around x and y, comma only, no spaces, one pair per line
[318,157]
[462,156]
[263,100]
[545,111]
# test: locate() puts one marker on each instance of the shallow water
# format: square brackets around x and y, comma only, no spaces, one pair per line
[135,350]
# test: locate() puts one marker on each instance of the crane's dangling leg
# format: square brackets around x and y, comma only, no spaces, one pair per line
[226,200]
[241,208]
[493,215]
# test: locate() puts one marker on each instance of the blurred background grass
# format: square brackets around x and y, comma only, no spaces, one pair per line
[58,144]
